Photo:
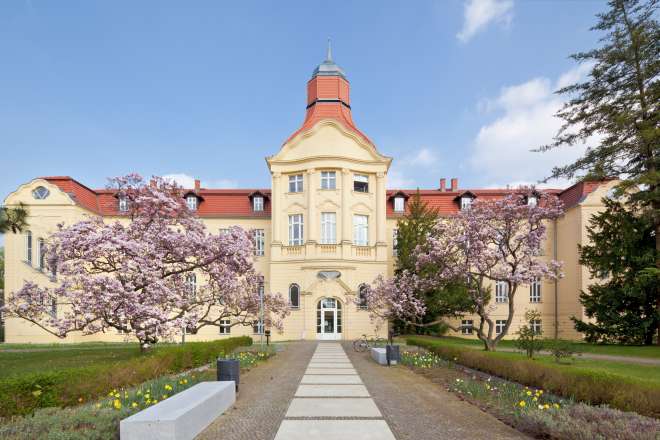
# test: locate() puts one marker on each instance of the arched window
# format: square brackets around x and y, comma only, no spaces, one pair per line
[362,296]
[28,247]
[191,284]
[294,296]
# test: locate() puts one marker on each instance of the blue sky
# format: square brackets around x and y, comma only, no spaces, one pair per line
[452,88]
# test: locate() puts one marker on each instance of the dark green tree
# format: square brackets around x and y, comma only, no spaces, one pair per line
[13,219]
[622,255]
[615,109]
[2,268]
[442,301]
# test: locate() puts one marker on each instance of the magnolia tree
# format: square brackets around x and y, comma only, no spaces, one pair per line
[159,274]
[495,241]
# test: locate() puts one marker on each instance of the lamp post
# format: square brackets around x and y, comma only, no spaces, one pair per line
[261,314]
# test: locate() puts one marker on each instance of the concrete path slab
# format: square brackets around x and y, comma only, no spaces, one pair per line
[331,379]
[323,407]
[330,371]
[334,430]
[332,391]
[330,365]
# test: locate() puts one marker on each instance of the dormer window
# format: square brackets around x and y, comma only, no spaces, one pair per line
[399,204]
[258,203]
[123,204]
[191,202]
[466,202]
[361,183]
[532,200]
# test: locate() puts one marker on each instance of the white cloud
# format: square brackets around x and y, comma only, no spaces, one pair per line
[501,150]
[480,13]
[187,181]
[412,163]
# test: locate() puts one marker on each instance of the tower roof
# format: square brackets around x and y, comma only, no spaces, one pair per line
[328,66]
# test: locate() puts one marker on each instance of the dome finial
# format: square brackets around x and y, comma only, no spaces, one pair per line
[328,57]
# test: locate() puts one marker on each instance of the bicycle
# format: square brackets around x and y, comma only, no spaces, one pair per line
[365,343]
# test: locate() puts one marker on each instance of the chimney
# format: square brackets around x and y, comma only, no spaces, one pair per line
[197,185]
[454,184]
[443,184]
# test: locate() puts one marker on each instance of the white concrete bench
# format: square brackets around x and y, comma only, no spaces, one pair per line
[182,416]
[379,354]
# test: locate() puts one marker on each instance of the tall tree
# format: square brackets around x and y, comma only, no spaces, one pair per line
[617,108]
[624,302]
[13,219]
[151,277]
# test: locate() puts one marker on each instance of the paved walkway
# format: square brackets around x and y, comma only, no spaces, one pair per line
[332,403]
[325,391]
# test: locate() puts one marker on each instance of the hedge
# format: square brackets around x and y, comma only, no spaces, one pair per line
[584,386]
[23,394]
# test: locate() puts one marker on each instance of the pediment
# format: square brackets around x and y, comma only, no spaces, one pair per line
[23,194]
[361,207]
[328,204]
[328,139]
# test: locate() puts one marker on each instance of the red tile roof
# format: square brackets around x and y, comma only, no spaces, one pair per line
[216,202]
[237,203]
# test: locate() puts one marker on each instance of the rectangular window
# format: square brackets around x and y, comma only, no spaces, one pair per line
[360,230]
[41,250]
[361,183]
[295,230]
[225,326]
[328,180]
[257,203]
[467,325]
[501,292]
[399,204]
[123,204]
[535,291]
[296,183]
[535,326]
[225,231]
[191,201]
[395,242]
[28,247]
[499,326]
[328,228]
[466,202]
[259,242]
[257,327]
[53,307]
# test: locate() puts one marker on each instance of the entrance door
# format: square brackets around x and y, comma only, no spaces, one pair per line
[328,319]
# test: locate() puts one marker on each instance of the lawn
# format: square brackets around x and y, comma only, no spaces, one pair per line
[641,351]
[60,356]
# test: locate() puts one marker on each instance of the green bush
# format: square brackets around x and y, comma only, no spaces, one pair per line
[560,349]
[585,386]
[529,340]
[23,394]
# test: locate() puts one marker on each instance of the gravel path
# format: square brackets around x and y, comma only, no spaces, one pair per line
[264,396]
[417,409]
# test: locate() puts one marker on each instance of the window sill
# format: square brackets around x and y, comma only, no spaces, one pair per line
[294,307]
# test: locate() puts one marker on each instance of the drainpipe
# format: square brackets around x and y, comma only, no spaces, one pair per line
[556,281]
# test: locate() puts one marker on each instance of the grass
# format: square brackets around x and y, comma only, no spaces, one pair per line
[641,351]
[61,377]
[46,359]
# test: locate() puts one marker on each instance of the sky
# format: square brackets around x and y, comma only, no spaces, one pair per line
[208,89]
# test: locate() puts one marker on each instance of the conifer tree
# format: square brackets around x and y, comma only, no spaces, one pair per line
[625,300]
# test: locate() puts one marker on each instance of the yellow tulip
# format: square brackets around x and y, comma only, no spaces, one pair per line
[522,403]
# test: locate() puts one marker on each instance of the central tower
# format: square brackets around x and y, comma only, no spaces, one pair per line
[328,213]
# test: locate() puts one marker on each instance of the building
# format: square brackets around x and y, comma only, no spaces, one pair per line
[325,227]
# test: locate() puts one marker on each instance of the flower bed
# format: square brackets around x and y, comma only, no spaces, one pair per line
[67,387]
[535,411]
[584,386]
